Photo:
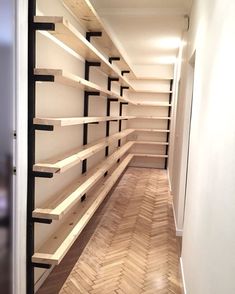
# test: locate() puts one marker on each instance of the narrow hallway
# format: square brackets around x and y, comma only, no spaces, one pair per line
[134,248]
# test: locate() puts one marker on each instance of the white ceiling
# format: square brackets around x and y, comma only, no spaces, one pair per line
[155,4]
[145,29]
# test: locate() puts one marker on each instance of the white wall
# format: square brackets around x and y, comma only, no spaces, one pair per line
[208,253]
[179,151]
[20,180]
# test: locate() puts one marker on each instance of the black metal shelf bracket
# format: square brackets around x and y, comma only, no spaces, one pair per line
[168,123]
[44,26]
[41,220]
[110,80]
[87,94]
[40,265]
[43,127]
[89,35]
[125,72]
[122,88]
[111,59]
[92,123]
[85,126]
[37,174]
[108,106]
[43,78]
[120,112]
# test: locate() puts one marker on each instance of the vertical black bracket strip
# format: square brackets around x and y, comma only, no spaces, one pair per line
[31,144]
[120,122]
[109,100]
[85,113]
[86,98]
[107,125]
[168,123]
[122,88]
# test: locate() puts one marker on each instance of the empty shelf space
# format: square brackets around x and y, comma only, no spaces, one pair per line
[55,209]
[153,130]
[62,163]
[71,37]
[85,13]
[68,79]
[150,155]
[71,121]
[150,143]
[55,248]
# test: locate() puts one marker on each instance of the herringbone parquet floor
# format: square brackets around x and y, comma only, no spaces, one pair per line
[133,249]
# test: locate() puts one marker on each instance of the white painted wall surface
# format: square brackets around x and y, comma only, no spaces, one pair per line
[21,120]
[208,253]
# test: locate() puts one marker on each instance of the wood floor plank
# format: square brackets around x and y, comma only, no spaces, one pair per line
[133,249]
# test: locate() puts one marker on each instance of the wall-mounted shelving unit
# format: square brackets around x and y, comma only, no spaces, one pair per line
[74,205]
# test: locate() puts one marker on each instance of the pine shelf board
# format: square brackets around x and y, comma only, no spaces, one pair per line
[150,91]
[153,117]
[157,104]
[70,36]
[150,78]
[153,130]
[149,155]
[71,121]
[62,163]
[55,248]
[150,143]
[56,208]
[68,79]
[85,14]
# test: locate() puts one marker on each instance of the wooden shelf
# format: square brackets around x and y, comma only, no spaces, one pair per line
[150,78]
[55,248]
[68,79]
[149,155]
[157,104]
[71,37]
[151,91]
[150,143]
[71,121]
[85,13]
[62,163]
[153,117]
[152,130]
[57,208]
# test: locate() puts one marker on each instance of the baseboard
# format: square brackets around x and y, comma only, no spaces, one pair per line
[169,180]
[183,276]
[178,232]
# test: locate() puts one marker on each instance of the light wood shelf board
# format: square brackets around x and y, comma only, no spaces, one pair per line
[71,121]
[153,117]
[55,248]
[149,155]
[150,78]
[70,36]
[151,91]
[85,13]
[157,104]
[60,164]
[69,79]
[150,143]
[152,130]
[56,208]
